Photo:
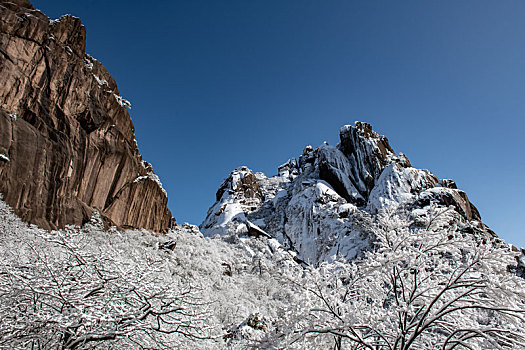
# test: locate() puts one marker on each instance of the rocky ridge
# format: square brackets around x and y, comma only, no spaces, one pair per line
[67,143]
[324,204]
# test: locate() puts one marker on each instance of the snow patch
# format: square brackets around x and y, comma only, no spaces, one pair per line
[122,101]
[397,185]
[89,65]
[153,177]
[101,82]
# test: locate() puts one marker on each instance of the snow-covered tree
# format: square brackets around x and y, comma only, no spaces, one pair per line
[107,289]
[78,289]
[429,283]
[432,280]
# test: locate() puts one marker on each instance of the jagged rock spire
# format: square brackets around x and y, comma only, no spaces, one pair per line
[324,204]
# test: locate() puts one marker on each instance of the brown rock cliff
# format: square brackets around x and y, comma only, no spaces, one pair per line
[67,143]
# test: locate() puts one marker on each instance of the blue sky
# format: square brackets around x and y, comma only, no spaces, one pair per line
[219,84]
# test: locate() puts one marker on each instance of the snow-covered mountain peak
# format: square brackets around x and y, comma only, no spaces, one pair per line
[324,204]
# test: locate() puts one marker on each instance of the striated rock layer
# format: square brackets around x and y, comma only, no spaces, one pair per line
[67,143]
[325,204]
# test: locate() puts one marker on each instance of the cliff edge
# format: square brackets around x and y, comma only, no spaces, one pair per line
[67,143]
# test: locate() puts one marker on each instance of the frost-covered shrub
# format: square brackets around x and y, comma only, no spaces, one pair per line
[426,284]
[77,288]
[429,287]
[91,288]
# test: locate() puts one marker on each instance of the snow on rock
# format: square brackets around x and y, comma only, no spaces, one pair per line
[281,193]
[367,151]
[316,229]
[238,195]
[100,81]
[520,267]
[323,205]
[122,101]
[335,168]
[61,18]
[307,159]
[289,170]
[255,231]
[89,64]
[153,177]
[252,328]
[450,197]
[4,158]
[397,184]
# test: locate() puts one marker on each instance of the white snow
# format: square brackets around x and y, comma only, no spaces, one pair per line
[300,212]
[89,65]
[256,292]
[229,280]
[308,215]
[4,157]
[397,185]
[153,177]
[122,101]
[345,128]
[100,82]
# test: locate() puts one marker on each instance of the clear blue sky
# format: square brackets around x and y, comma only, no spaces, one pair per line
[219,84]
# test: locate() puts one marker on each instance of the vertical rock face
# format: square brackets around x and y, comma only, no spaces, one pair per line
[67,143]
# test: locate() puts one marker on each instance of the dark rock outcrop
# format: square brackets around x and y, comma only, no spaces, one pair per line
[66,136]
[367,151]
[450,197]
[244,183]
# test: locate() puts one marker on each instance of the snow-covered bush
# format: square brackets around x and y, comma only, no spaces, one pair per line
[429,282]
[93,288]
[76,288]
[425,285]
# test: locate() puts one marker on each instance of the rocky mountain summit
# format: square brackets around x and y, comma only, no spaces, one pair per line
[67,143]
[324,204]
[348,246]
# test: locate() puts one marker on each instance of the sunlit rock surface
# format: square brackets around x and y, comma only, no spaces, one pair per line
[67,142]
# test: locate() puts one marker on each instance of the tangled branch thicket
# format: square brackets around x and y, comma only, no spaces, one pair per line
[430,281]
[426,285]
[80,288]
